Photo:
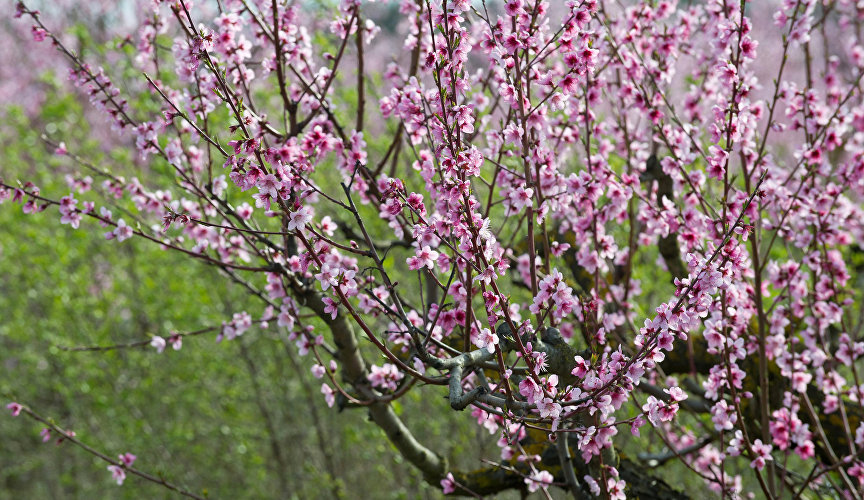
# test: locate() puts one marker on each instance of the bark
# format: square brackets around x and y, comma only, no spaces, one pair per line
[641,483]
[433,466]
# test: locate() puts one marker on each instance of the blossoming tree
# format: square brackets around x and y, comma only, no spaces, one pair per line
[616,234]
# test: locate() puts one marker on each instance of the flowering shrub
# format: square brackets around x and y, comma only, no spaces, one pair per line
[585,222]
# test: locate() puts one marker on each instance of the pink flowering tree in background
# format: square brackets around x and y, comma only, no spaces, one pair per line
[615,234]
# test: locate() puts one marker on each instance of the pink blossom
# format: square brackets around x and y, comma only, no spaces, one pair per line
[541,479]
[521,198]
[723,416]
[513,7]
[117,474]
[615,488]
[592,485]
[158,343]
[762,454]
[326,277]
[424,257]
[15,408]
[331,307]
[299,219]
[385,377]
[548,408]
[269,185]
[329,395]
[448,484]
[122,232]
[857,471]
[38,34]
[486,339]
[465,119]
[128,459]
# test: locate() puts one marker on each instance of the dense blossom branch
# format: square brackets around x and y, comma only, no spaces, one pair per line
[558,175]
